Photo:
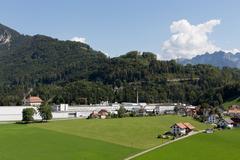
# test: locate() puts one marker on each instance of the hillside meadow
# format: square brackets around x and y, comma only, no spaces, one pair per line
[222,145]
[110,139]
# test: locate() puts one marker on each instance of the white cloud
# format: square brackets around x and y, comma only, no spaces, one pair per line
[235,50]
[189,40]
[78,39]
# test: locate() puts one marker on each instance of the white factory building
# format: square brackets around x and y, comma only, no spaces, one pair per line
[14,113]
[62,111]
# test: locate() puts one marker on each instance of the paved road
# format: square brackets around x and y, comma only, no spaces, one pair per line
[162,145]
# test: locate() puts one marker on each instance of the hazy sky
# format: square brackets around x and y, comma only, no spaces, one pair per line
[169,28]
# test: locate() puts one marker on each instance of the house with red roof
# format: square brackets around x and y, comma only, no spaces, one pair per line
[33,101]
[182,128]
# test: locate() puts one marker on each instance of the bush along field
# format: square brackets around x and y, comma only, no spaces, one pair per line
[112,139]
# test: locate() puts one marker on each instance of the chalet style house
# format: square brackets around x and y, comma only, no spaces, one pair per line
[182,128]
[33,101]
[102,114]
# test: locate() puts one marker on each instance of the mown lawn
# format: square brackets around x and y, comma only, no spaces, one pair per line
[139,132]
[222,145]
[110,139]
[24,142]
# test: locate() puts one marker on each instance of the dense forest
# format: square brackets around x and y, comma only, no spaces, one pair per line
[74,73]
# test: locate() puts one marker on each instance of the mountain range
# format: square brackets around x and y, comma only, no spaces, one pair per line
[74,73]
[219,59]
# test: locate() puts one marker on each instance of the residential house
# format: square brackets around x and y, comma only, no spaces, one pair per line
[213,119]
[234,111]
[103,114]
[182,128]
[191,110]
[189,126]
[236,121]
[178,129]
[225,123]
[33,101]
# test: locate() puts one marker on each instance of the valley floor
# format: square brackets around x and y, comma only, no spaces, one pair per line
[110,139]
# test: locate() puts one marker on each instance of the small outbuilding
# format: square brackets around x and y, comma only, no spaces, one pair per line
[209,131]
[225,123]
[93,115]
[103,114]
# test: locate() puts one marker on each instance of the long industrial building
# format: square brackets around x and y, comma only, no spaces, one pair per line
[64,111]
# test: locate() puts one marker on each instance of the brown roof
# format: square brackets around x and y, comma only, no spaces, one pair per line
[103,112]
[189,125]
[185,125]
[181,125]
[34,99]
[234,110]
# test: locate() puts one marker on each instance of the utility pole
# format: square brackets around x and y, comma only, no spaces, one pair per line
[137,96]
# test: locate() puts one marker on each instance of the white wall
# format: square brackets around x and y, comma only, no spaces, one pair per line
[58,115]
[14,113]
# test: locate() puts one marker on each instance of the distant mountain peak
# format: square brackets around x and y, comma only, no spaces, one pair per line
[218,59]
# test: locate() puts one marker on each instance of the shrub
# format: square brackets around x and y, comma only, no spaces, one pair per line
[27,114]
[45,112]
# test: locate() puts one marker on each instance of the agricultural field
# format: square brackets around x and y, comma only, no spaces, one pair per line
[222,145]
[110,139]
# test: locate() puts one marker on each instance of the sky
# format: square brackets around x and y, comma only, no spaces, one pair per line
[169,28]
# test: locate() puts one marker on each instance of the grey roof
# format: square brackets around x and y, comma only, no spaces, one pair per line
[228,120]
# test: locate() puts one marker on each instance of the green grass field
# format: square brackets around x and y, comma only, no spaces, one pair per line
[31,143]
[235,101]
[138,132]
[222,145]
[110,139]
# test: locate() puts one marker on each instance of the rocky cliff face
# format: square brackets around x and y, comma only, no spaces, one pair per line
[5,38]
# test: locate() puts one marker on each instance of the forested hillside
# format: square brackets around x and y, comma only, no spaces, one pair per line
[74,73]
